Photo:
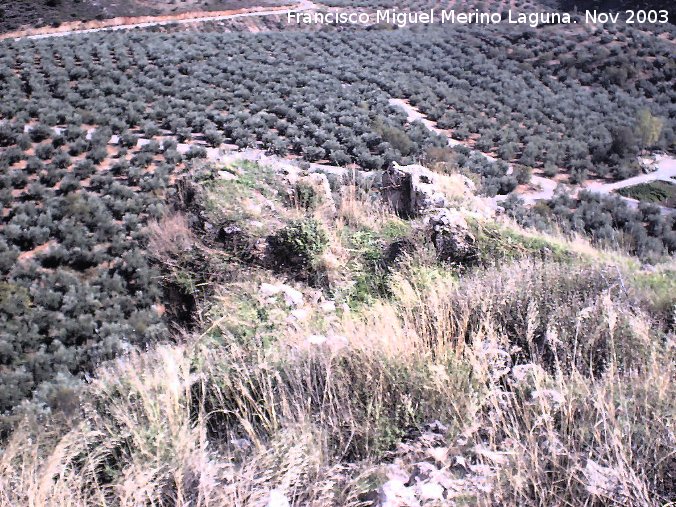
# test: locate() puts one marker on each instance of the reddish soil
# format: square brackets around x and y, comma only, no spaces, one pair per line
[130,21]
[32,253]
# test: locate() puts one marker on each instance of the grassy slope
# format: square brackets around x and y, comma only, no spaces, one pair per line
[251,402]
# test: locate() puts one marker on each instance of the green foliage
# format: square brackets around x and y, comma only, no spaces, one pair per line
[368,286]
[245,318]
[298,245]
[648,128]
[225,197]
[395,228]
[14,299]
[659,289]
[497,243]
[608,220]
[397,137]
[658,192]
[371,262]
[305,196]
[213,137]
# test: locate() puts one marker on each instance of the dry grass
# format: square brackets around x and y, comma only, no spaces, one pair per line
[199,424]
[579,245]
[169,236]
[604,367]
[254,406]
[358,208]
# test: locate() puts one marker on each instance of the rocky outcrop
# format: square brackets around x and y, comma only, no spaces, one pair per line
[411,190]
[414,191]
[452,237]
[428,472]
[340,176]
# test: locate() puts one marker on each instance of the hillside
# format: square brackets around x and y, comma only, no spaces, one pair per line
[342,355]
[19,14]
[251,263]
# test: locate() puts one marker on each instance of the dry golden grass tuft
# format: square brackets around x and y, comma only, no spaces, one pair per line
[207,424]
[169,236]
[358,208]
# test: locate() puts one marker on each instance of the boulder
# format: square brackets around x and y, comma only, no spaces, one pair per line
[292,297]
[422,472]
[395,494]
[452,238]
[328,307]
[299,314]
[268,290]
[430,491]
[411,190]
[227,175]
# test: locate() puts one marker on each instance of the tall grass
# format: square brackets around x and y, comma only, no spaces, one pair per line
[225,422]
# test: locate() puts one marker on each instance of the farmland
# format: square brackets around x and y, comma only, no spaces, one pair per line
[200,246]
[533,93]
[92,125]
[36,13]
[659,192]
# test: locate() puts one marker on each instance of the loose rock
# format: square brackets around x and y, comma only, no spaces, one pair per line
[292,297]
[452,238]
[278,499]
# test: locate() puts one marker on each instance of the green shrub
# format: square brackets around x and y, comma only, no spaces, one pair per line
[299,244]
[660,192]
[305,196]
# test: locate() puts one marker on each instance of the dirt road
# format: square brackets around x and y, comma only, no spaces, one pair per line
[149,21]
[665,168]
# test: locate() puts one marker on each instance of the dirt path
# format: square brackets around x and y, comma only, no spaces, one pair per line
[413,114]
[148,21]
[546,186]
[665,168]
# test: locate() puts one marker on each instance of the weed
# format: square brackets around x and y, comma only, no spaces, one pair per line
[298,245]
[305,196]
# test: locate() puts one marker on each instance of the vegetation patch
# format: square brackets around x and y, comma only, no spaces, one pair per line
[646,232]
[658,192]
[249,338]
[501,243]
[298,245]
